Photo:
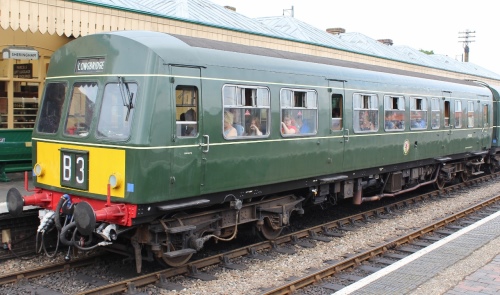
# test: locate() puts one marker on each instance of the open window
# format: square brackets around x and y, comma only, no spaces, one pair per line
[365,114]
[418,113]
[394,117]
[246,111]
[299,112]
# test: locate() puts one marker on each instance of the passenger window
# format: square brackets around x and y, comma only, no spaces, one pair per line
[365,114]
[186,111]
[435,113]
[486,116]
[394,118]
[246,111]
[470,114]
[81,109]
[299,112]
[418,113]
[458,114]
[117,110]
[337,108]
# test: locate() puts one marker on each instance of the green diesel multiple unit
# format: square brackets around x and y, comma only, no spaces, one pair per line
[169,141]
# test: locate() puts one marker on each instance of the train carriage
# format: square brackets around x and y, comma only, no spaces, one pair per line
[169,141]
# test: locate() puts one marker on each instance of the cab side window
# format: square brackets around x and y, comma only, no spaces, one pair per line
[246,111]
[394,117]
[186,110]
[365,114]
[299,112]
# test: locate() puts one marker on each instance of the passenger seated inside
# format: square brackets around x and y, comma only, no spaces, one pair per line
[254,128]
[229,130]
[417,121]
[364,122]
[287,126]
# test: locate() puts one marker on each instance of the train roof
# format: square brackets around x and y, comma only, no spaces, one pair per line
[204,52]
[289,28]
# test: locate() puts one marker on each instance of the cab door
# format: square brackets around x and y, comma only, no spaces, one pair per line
[339,135]
[186,164]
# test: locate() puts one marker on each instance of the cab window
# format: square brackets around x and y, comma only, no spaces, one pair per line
[186,110]
[117,111]
[365,114]
[246,111]
[299,112]
[50,113]
[81,109]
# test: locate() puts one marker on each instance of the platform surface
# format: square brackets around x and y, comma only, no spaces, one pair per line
[416,273]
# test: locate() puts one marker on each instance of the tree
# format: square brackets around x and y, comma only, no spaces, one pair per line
[428,52]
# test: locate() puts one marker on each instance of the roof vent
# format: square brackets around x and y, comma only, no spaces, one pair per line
[335,31]
[387,42]
[230,8]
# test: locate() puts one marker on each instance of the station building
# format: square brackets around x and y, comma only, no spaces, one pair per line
[31,30]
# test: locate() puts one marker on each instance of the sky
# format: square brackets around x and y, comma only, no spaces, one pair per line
[429,25]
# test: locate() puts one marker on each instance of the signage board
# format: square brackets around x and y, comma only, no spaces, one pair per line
[90,65]
[23,71]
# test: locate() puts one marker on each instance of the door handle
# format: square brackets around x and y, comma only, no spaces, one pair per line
[206,145]
[346,135]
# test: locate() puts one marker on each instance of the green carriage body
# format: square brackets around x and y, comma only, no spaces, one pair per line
[164,168]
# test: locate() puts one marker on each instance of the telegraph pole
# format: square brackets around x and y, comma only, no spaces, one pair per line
[466,40]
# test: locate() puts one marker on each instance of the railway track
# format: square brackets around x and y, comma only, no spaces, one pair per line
[386,253]
[324,232]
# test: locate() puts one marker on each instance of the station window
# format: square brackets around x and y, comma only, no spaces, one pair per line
[246,111]
[299,112]
[458,114]
[81,109]
[50,113]
[337,112]
[435,113]
[117,111]
[470,114]
[365,114]
[186,110]
[394,117]
[418,113]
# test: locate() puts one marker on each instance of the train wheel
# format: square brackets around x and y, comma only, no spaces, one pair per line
[490,168]
[464,175]
[174,261]
[440,182]
[270,232]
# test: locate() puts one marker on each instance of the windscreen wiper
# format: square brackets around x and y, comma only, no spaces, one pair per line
[129,95]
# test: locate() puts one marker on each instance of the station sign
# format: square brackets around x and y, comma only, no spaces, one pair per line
[23,71]
[20,53]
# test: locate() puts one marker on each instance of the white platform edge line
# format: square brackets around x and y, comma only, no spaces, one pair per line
[375,276]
